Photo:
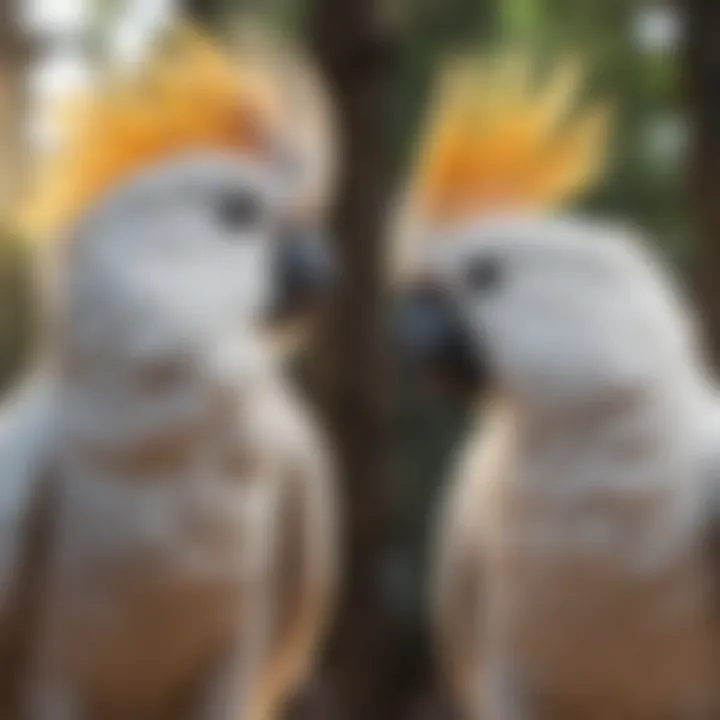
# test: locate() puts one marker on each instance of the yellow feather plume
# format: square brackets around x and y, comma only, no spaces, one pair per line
[497,143]
[187,96]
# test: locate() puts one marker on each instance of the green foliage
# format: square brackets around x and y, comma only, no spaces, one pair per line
[434,32]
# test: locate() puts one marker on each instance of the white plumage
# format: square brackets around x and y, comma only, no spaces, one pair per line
[184,495]
[575,568]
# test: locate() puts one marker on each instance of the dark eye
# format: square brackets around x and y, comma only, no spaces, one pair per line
[483,275]
[240,211]
[163,375]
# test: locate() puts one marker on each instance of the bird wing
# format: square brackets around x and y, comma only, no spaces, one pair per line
[305,572]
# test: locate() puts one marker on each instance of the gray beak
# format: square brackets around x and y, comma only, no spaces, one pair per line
[305,275]
[433,339]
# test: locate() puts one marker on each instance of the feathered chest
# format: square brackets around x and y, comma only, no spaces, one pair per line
[201,522]
[594,559]
[160,569]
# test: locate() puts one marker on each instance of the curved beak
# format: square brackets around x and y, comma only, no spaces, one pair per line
[433,338]
[305,275]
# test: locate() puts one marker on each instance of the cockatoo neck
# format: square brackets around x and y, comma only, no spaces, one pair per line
[646,431]
[137,409]
[636,380]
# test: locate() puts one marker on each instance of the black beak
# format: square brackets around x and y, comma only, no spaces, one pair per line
[434,340]
[305,274]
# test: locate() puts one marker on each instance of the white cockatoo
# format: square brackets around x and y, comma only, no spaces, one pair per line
[167,514]
[575,565]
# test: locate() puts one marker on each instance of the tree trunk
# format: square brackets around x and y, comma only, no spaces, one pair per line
[358,55]
[702,18]
[14,57]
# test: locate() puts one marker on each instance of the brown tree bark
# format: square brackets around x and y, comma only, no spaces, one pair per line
[14,58]
[702,56]
[358,54]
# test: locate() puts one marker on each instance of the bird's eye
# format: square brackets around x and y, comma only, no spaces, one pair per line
[240,211]
[163,375]
[483,275]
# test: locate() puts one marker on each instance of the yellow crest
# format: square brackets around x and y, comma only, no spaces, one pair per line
[188,95]
[497,142]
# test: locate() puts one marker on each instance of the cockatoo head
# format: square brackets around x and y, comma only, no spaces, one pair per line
[178,211]
[185,238]
[557,311]
[186,260]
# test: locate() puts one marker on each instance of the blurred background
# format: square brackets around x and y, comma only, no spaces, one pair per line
[658,61]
